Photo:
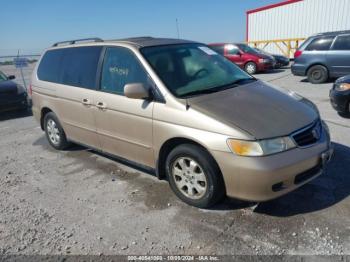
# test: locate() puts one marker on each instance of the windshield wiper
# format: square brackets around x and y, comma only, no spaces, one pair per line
[243,81]
[218,88]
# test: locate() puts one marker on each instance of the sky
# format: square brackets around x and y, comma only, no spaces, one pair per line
[33,25]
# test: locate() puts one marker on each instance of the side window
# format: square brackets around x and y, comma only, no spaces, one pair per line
[342,43]
[121,67]
[218,49]
[232,50]
[79,66]
[320,44]
[49,67]
[71,66]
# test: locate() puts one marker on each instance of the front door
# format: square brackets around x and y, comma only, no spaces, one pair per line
[124,125]
[338,57]
[233,54]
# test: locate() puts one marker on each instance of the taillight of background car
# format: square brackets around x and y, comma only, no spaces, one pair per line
[298,53]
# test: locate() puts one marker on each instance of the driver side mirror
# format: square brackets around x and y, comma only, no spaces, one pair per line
[11,77]
[136,91]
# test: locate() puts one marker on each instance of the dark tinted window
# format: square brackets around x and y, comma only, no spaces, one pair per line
[79,66]
[49,68]
[71,66]
[121,67]
[342,43]
[218,49]
[320,44]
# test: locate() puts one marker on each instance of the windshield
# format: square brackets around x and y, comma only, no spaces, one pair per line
[248,49]
[193,69]
[3,77]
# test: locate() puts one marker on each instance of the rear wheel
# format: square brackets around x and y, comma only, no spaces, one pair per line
[54,132]
[250,68]
[317,74]
[194,176]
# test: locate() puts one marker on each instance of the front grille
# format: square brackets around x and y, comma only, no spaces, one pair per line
[309,135]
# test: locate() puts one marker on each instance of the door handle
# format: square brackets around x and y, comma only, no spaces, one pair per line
[101,105]
[86,101]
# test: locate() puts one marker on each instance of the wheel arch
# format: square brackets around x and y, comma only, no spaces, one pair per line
[43,113]
[316,64]
[168,146]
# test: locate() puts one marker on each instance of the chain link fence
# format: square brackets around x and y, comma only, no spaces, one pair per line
[23,72]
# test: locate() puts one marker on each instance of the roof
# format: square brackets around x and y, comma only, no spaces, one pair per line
[139,42]
[152,41]
[286,2]
[334,33]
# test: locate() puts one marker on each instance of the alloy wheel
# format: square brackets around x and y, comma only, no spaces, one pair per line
[53,132]
[189,178]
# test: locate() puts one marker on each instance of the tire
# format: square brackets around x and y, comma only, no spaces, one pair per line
[317,74]
[345,114]
[250,68]
[200,186]
[54,132]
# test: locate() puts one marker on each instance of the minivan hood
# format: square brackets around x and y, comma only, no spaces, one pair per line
[257,108]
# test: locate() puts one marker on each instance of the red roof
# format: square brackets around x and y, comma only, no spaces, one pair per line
[287,2]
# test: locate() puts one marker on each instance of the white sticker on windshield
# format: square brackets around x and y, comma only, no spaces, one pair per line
[207,50]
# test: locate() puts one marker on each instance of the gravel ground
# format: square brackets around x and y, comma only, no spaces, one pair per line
[81,202]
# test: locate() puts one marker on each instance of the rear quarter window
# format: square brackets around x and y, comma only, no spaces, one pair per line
[342,43]
[50,65]
[71,66]
[320,44]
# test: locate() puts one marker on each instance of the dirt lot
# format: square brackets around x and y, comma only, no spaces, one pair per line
[80,202]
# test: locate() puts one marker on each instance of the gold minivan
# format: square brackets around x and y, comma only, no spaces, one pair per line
[182,110]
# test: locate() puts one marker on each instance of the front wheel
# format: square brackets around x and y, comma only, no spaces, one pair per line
[54,132]
[250,68]
[194,176]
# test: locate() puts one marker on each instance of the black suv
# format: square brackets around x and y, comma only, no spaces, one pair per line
[323,56]
[12,95]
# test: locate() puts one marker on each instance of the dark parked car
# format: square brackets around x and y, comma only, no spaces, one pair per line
[12,95]
[340,96]
[245,57]
[323,56]
[281,60]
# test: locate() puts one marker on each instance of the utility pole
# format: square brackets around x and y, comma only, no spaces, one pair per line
[177,28]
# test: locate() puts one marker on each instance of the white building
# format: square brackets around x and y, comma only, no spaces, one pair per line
[295,19]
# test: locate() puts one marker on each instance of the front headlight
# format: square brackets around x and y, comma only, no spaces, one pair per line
[342,87]
[261,147]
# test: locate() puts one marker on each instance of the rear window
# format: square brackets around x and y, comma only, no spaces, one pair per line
[71,66]
[320,44]
[342,43]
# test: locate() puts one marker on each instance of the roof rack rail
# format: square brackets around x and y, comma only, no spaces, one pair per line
[333,33]
[72,42]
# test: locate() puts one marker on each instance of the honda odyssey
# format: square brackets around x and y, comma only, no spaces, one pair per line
[178,108]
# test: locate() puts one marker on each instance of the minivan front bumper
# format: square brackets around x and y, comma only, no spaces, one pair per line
[264,178]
